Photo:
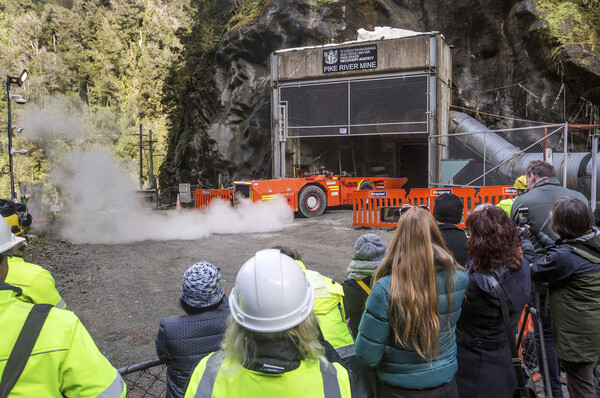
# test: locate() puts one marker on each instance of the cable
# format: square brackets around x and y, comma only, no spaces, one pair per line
[514,84]
[498,116]
[263,159]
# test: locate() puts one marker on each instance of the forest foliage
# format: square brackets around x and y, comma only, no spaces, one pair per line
[112,65]
[103,63]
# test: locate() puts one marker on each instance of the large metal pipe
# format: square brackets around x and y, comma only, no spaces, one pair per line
[509,159]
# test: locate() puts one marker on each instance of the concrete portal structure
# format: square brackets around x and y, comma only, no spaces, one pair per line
[365,107]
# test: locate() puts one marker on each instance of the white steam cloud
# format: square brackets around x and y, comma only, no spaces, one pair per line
[100,204]
[112,227]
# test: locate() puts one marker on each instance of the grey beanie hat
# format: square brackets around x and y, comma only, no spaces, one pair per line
[201,285]
[369,251]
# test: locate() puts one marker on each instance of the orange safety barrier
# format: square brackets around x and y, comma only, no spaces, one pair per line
[426,197]
[202,197]
[495,194]
[528,329]
[370,207]
[367,206]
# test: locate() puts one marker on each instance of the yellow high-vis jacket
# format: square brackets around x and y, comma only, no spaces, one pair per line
[65,360]
[36,283]
[312,378]
[330,312]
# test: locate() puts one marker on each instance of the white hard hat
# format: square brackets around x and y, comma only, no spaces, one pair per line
[8,240]
[271,293]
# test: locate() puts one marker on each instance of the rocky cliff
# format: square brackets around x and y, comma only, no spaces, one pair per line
[534,59]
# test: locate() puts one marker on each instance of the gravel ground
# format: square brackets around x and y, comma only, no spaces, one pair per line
[120,292]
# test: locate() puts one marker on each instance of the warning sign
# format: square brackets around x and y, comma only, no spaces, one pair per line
[350,58]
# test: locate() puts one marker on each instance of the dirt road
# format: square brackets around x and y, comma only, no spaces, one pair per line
[120,292]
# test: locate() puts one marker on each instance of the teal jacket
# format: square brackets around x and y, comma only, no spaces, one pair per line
[403,367]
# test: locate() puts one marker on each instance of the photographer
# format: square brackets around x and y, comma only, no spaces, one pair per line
[572,269]
[544,189]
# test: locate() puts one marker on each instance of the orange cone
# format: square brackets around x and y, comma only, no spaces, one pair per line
[178,205]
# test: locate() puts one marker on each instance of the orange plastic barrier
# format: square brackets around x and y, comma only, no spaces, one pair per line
[369,205]
[528,328]
[202,197]
[495,194]
[426,197]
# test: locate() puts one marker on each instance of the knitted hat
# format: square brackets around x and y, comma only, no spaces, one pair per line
[201,285]
[369,251]
[448,208]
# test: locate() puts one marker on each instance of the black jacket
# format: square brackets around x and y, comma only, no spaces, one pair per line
[484,358]
[456,240]
[354,302]
[183,340]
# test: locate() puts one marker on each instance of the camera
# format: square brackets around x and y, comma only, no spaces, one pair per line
[522,216]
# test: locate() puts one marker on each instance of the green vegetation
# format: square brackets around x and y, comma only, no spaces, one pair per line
[248,12]
[572,23]
[102,63]
[322,3]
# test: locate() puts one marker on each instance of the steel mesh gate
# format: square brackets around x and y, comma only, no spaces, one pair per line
[379,105]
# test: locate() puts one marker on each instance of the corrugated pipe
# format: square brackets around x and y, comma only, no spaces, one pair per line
[480,140]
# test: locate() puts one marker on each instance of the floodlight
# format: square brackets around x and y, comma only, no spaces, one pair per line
[22,77]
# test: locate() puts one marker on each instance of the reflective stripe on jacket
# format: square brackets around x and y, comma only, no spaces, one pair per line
[64,361]
[329,309]
[36,283]
[311,379]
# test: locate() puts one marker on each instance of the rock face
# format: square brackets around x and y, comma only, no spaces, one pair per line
[506,61]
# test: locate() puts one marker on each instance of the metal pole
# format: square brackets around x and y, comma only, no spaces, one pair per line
[546,376]
[594,170]
[141,159]
[484,156]
[13,194]
[151,157]
[565,155]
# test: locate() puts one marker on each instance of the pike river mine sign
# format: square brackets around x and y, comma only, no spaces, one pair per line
[350,58]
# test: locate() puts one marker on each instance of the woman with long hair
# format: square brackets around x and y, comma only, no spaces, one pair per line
[407,330]
[484,358]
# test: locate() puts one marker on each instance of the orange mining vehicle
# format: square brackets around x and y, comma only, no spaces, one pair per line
[310,194]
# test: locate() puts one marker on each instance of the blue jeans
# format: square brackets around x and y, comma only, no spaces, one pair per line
[553,368]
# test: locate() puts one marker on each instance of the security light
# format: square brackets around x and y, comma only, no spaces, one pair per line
[18,99]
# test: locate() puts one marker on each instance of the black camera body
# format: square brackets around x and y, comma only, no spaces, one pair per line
[522,216]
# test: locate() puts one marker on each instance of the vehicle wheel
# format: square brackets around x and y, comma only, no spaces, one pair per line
[312,201]
[366,186]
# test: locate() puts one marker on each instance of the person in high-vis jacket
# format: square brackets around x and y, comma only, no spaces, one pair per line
[36,284]
[331,315]
[63,360]
[521,186]
[271,346]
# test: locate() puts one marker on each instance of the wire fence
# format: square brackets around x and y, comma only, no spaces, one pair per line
[477,156]
[146,379]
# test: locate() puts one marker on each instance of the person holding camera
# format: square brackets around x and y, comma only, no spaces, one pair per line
[535,206]
[572,269]
[544,189]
